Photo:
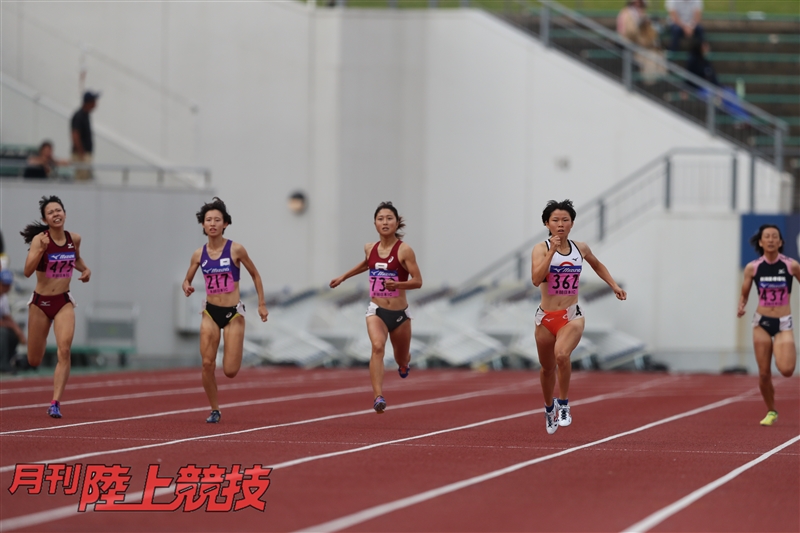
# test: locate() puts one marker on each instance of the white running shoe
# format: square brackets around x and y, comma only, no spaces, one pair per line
[564,418]
[551,420]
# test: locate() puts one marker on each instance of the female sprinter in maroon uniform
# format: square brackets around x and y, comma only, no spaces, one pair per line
[772,324]
[390,262]
[53,255]
[559,321]
[220,262]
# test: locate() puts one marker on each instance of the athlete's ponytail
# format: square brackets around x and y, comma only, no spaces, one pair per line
[755,239]
[35,228]
[400,223]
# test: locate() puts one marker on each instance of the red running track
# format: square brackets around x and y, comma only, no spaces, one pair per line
[455,451]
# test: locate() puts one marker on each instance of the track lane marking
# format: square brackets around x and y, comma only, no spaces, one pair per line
[246,403]
[66,511]
[662,514]
[386,508]
[457,397]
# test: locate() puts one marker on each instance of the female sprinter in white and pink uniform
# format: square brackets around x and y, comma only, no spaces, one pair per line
[772,323]
[390,262]
[220,262]
[559,321]
[53,255]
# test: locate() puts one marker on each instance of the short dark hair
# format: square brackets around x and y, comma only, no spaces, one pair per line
[214,204]
[757,237]
[400,223]
[552,205]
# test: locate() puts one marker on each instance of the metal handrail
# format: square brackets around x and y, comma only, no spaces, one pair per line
[125,170]
[677,69]
[716,95]
[599,201]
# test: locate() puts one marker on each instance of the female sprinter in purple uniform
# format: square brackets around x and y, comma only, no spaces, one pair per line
[54,253]
[390,262]
[559,320]
[220,261]
[772,323]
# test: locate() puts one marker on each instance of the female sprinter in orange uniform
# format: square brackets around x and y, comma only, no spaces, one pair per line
[390,262]
[772,324]
[220,261]
[559,320]
[53,255]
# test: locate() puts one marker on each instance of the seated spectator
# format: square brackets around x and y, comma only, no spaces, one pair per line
[684,16]
[634,24]
[10,333]
[699,65]
[43,165]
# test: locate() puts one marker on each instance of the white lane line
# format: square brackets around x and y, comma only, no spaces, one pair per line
[454,398]
[99,384]
[66,511]
[661,515]
[170,392]
[247,403]
[386,508]
[336,392]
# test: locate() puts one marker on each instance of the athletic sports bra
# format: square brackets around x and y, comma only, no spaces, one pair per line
[58,261]
[565,271]
[382,269]
[773,281]
[220,274]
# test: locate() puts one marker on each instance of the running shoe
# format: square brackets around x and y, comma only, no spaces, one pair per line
[770,419]
[564,418]
[403,371]
[55,409]
[214,417]
[379,405]
[551,420]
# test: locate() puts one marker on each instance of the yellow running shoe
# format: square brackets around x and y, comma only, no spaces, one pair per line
[770,419]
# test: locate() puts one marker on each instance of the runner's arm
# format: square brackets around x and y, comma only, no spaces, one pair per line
[363,266]
[194,264]
[601,270]
[408,259]
[749,272]
[240,253]
[540,263]
[38,247]
[80,265]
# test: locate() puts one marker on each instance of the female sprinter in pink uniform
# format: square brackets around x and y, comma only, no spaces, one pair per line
[772,323]
[559,321]
[390,262]
[53,255]
[220,261]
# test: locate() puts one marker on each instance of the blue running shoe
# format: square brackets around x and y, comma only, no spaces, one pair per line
[403,371]
[55,409]
[379,405]
[214,417]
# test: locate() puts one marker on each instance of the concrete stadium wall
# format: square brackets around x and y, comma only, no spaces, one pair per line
[464,122]
[467,124]
[132,240]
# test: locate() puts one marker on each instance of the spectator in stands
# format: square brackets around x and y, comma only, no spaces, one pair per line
[82,141]
[684,16]
[43,165]
[634,24]
[10,333]
[699,65]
